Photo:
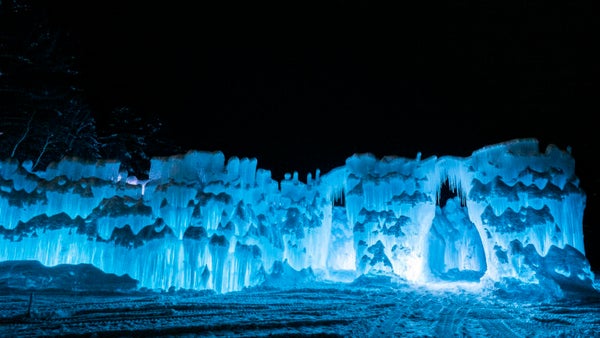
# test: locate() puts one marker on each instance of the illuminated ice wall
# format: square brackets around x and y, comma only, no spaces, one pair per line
[201,222]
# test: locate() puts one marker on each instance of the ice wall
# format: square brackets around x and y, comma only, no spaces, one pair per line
[201,222]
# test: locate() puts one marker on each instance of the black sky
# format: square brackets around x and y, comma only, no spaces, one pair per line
[302,86]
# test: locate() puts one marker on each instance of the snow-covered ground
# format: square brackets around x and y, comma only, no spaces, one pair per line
[367,307]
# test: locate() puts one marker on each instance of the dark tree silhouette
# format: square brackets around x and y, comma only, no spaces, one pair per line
[44,116]
[132,139]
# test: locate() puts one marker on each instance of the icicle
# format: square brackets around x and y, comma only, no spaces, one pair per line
[197,223]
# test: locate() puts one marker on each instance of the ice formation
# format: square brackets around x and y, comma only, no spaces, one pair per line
[201,222]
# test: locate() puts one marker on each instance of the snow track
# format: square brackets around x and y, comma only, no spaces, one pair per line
[325,310]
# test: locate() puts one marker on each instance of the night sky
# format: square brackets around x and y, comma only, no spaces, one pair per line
[303,86]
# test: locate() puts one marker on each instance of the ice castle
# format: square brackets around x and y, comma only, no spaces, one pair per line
[203,222]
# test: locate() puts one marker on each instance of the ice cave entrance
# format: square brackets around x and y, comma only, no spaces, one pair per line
[455,249]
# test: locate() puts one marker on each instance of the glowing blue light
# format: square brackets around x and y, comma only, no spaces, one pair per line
[201,223]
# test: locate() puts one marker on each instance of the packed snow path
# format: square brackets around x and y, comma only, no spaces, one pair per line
[373,309]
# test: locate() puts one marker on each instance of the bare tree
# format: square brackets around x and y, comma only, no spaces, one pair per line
[43,116]
[23,137]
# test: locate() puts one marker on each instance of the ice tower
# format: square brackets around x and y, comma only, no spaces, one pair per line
[201,222]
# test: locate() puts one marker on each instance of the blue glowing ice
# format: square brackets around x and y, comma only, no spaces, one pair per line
[200,222]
